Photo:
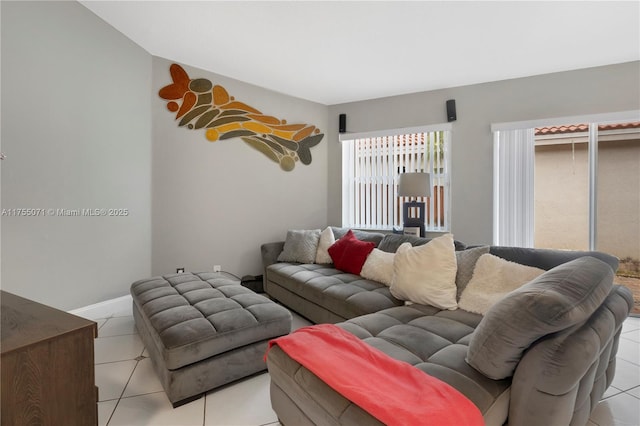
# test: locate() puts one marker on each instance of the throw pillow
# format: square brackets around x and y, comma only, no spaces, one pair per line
[349,253]
[426,274]
[557,300]
[379,267]
[466,260]
[494,277]
[326,240]
[300,246]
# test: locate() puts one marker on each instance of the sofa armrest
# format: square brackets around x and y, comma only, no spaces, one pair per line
[270,253]
[562,377]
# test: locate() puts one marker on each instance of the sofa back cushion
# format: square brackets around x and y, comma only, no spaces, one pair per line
[548,258]
[374,237]
[391,242]
[558,299]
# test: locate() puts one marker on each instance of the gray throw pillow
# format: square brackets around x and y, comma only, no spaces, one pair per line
[300,246]
[466,264]
[556,300]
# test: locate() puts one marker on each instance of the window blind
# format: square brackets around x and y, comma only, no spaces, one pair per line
[513,195]
[371,167]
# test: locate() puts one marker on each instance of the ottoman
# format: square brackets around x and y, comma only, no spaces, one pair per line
[204,330]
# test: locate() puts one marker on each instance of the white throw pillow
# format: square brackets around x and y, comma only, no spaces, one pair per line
[326,240]
[494,277]
[379,267]
[426,274]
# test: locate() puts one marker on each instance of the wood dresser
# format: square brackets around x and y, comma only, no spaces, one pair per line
[47,365]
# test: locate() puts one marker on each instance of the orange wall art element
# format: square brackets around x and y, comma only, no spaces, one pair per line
[201,105]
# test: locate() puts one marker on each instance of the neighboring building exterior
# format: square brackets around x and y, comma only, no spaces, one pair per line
[562,193]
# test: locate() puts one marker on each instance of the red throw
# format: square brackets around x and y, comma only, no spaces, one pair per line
[394,392]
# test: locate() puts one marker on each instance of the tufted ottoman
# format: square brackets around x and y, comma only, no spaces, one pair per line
[204,330]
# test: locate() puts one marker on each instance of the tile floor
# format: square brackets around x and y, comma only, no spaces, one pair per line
[130,393]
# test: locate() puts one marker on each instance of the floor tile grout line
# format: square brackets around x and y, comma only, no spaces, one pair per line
[141,394]
[106,320]
[113,362]
[116,335]
[122,393]
[630,389]
[125,334]
[619,391]
[626,360]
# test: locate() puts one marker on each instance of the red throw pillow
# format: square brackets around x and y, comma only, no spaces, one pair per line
[349,253]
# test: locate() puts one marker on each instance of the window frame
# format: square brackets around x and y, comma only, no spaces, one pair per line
[442,179]
[593,120]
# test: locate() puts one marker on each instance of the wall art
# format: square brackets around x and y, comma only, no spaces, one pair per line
[199,104]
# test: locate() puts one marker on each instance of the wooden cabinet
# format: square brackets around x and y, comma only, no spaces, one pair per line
[47,365]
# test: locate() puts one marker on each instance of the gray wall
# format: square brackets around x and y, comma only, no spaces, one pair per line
[214,203]
[79,111]
[587,91]
[76,127]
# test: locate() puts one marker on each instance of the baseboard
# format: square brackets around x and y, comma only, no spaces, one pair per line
[118,307]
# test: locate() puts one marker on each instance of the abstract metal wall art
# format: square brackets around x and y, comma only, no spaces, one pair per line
[201,105]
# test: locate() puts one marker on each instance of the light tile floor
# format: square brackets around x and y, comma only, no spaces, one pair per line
[130,393]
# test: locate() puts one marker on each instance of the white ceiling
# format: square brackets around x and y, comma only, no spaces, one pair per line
[337,52]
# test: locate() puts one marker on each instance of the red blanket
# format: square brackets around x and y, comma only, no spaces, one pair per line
[394,392]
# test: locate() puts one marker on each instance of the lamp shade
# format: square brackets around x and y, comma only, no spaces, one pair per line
[414,185]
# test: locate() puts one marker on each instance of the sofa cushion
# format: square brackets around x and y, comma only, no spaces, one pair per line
[300,246]
[345,295]
[426,274]
[379,267]
[548,258]
[374,237]
[434,341]
[558,299]
[494,277]
[197,316]
[326,240]
[391,242]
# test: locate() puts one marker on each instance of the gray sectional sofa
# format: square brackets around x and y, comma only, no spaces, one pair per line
[543,355]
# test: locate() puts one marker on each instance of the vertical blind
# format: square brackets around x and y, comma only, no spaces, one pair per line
[513,179]
[370,170]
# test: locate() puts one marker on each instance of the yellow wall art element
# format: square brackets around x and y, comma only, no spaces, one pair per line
[199,104]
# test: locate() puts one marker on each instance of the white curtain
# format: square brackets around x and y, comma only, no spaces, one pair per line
[513,179]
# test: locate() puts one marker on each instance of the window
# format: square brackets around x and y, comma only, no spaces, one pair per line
[371,164]
[546,187]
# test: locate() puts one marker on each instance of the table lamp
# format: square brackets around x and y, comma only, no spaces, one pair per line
[414,185]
